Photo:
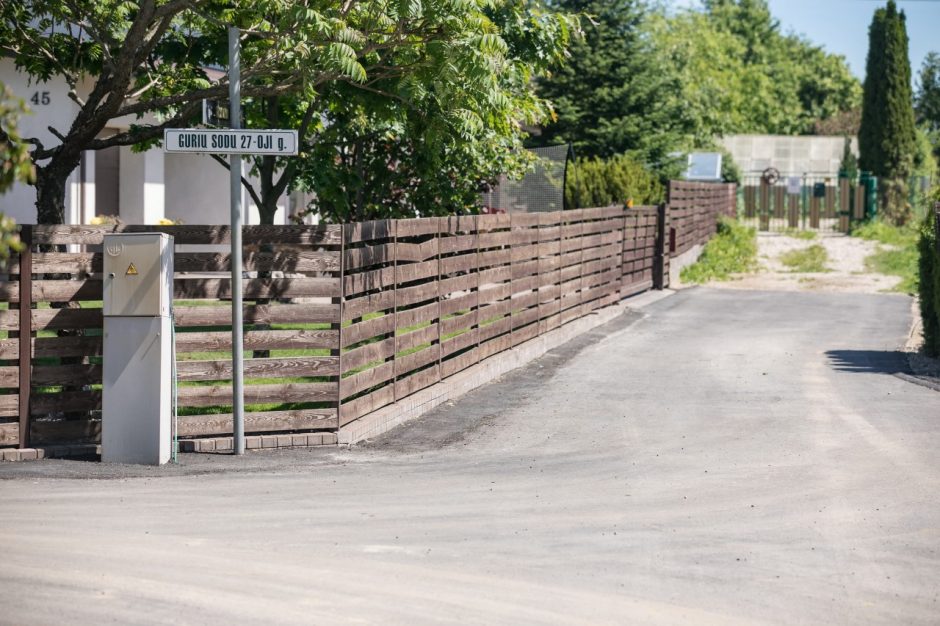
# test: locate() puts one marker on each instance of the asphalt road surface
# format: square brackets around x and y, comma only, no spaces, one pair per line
[725,457]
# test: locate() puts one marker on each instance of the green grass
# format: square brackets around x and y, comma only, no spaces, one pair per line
[897,262]
[806,235]
[732,251]
[881,232]
[900,259]
[806,260]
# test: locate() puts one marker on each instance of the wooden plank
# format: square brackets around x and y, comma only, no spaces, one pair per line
[460,362]
[371,280]
[410,272]
[359,382]
[407,341]
[367,231]
[415,360]
[256,368]
[65,346]
[258,340]
[9,319]
[221,395]
[57,319]
[371,352]
[66,431]
[373,303]
[418,226]
[24,401]
[78,374]
[417,381]
[220,288]
[281,260]
[375,327]
[354,409]
[10,376]
[258,422]
[416,252]
[43,404]
[322,235]
[9,434]
[306,313]
[419,293]
[9,405]
[355,258]
[409,317]
[194,288]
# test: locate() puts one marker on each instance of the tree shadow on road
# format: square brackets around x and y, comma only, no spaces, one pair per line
[869,361]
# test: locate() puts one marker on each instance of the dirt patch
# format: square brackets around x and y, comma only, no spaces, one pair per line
[845,264]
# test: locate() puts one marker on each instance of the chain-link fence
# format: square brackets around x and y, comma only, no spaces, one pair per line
[542,189]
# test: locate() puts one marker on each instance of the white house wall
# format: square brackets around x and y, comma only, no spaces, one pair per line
[152,185]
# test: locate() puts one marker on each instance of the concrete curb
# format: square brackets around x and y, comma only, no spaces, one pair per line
[417,404]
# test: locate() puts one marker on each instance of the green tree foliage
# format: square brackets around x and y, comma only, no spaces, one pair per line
[927,98]
[617,93]
[887,137]
[15,166]
[391,79]
[447,59]
[929,284]
[848,167]
[927,101]
[741,74]
[593,182]
[438,121]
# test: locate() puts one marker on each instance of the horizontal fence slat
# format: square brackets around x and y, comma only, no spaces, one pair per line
[259,368]
[258,422]
[221,395]
[191,234]
[258,340]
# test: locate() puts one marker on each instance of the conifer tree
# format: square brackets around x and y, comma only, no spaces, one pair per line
[887,136]
[616,94]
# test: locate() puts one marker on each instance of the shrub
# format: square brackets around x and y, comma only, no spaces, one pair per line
[733,250]
[929,288]
[617,180]
[806,260]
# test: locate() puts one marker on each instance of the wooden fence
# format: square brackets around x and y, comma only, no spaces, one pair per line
[339,320]
[694,209]
[291,332]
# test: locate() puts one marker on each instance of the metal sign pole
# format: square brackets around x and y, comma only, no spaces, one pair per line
[235,171]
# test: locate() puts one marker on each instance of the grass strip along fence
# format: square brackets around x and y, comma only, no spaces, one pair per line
[340,320]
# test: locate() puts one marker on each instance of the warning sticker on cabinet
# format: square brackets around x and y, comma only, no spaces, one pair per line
[131,270]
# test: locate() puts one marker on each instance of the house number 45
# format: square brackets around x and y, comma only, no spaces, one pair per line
[40,97]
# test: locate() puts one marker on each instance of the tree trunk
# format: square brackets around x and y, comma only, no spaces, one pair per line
[50,189]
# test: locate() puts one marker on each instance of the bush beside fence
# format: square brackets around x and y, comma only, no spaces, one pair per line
[339,320]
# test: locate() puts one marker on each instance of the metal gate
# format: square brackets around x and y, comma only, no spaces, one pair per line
[806,202]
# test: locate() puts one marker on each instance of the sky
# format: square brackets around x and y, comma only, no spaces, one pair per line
[841,26]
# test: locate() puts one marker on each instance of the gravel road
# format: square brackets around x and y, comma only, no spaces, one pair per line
[727,457]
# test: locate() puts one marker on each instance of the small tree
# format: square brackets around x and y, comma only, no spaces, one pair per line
[15,166]
[148,60]
[848,167]
[887,139]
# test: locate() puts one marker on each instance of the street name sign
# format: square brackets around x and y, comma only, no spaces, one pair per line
[222,141]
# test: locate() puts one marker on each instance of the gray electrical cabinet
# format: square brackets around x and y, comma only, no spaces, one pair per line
[138,351]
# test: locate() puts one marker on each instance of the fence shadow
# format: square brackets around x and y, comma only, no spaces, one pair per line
[869,361]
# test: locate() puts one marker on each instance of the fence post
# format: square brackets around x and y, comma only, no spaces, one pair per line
[341,308]
[660,278]
[440,305]
[394,228]
[26,331]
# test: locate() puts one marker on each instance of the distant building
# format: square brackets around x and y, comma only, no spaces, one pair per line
[791,156]
[137,187]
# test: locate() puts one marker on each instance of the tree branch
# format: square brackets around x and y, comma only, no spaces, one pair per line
[245,182]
